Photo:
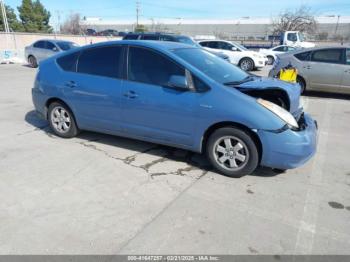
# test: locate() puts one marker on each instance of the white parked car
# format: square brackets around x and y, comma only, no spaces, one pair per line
[238,54]
[272,52]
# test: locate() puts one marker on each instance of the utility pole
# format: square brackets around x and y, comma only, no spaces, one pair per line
[4,17]
[58,22]
[137,12]
[336,27]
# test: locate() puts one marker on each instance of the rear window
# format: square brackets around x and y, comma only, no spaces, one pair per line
[305,56]
[101,61]
[68,62]
[328,56]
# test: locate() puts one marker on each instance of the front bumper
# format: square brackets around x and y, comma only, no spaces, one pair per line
[289,149]
[260,62]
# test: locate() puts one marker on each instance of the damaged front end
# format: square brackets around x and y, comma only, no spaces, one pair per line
[283,94]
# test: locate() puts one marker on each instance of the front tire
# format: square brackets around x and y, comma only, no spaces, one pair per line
[232,152]
[246,64]
[62,121]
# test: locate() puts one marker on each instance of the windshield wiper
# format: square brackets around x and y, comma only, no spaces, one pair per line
[244,80]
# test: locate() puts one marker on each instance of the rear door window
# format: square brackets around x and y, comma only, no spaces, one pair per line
[149,67]
[39,44]
[49,45]
[69,62]
[224,46]
[213,44]
[333,56]
[305,56]
[101,61]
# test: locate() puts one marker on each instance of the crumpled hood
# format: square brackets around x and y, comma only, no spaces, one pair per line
[265,83]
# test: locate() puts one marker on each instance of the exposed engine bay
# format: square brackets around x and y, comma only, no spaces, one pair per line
[277,96]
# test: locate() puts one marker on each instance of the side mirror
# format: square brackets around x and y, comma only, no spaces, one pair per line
[233,48]
[178,82]
[55,49]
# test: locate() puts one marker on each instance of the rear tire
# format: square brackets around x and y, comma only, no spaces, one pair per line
[246,64]
[232,152]
[302,84]
[271,60]
[62,121]
[32,61]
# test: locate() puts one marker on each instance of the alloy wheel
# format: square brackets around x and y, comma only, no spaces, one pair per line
[61,120]
[231,153]
[246,65]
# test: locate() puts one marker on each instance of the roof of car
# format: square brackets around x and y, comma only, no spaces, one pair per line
[55,40]
[317,48]
[162,45]
[150,33]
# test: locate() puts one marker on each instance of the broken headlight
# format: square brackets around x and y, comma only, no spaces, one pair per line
[280,112]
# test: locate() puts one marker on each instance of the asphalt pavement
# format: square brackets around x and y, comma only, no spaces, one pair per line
[99,194]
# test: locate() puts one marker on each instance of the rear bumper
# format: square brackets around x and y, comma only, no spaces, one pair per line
[260,63]
[39,100]
[289,149]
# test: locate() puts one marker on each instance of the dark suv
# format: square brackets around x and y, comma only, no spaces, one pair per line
[170,37]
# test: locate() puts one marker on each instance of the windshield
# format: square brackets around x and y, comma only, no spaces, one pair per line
[301,37]
[212,65]
[187,40]
[66,45]
[240,46]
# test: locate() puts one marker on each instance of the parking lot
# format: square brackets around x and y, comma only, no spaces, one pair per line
[99,194]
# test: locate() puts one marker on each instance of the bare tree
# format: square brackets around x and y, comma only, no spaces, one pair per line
[72,25]
[301,19]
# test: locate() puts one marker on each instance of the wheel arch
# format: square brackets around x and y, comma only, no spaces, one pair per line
[210,130]
[302,79]
[56,99]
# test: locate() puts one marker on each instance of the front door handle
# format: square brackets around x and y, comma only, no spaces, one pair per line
[131,94]
[71,84]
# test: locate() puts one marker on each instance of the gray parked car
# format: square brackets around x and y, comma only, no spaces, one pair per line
[322,69]
[43,49]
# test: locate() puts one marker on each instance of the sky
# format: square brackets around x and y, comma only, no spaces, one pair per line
[185,9]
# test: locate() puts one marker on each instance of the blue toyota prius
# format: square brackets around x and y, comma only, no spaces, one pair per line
[176,95]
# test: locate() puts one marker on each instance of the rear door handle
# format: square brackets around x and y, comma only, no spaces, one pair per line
[71,84]
[307,67]
[131,94]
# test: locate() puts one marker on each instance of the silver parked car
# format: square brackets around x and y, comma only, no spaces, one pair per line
[43,49]
[322,69]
